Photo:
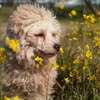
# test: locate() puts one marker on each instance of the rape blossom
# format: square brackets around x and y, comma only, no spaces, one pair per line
[73,12]
[79,48]
[54,64]
[89,18]
[6,98]
[88,54]
[63,67]
[15,98]
[84,67]
[91,78]
[97,41]
[13,44]
[70,15]
[66,80]
[87,47]
[76,61]
[2,55]
[74,38]
[61,6]
[61,50]
[71,74]
[38,61]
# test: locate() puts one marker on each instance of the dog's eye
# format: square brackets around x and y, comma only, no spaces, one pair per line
[39,35]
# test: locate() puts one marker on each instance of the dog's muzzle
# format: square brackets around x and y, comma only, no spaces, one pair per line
[57,47]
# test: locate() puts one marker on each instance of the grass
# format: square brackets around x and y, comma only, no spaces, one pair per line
[79,63]
[5,12]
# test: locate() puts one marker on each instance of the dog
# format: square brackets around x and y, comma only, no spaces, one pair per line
[38,33]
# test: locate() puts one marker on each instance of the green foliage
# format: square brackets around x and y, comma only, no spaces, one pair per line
[63,13]
[79,71]
[5,12]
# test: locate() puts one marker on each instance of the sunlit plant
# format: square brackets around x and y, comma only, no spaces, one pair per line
[79,65]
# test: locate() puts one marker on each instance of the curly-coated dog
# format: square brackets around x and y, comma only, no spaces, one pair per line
[37,31]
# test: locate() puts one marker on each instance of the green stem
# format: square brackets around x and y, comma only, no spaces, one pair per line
[2,68]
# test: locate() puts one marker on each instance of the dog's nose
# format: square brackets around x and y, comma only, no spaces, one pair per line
[57,47]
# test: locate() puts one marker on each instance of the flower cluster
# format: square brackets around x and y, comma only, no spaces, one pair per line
[89,54]
[38,61]
[2,55]
[54,64]
[79,63]
[97,41]
[61,6]
[89,18]
[13,44]
[66,80]
[15,98]
[72,13]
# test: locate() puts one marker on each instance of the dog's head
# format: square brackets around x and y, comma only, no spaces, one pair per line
[44,36]
[36,28]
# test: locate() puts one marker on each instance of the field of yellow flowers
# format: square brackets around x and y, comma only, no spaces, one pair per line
[78,62]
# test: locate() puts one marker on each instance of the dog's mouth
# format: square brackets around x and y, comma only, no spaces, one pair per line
[47,54]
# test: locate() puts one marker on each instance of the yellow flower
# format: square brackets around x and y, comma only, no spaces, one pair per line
[61,6]
[2,55]
[86,62]
[88,54]
[81,55]
[91,78]
[54,64]
[17,98]
[89,18]
[84,67]
[74,38]
[39,61]
[71,74]
[73,12]
[98,52]
[97,41]
[79,48]
[2,50]
[63,67]
[87,46]
[13,44]
[66,80]
[6,98]
[70,15]
[76,61]
[61,50]
[99,13]
[98,33]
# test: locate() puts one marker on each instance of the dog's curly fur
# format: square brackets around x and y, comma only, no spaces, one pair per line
[37,31]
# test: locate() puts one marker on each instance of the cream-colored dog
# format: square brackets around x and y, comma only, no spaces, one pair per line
[37,31]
